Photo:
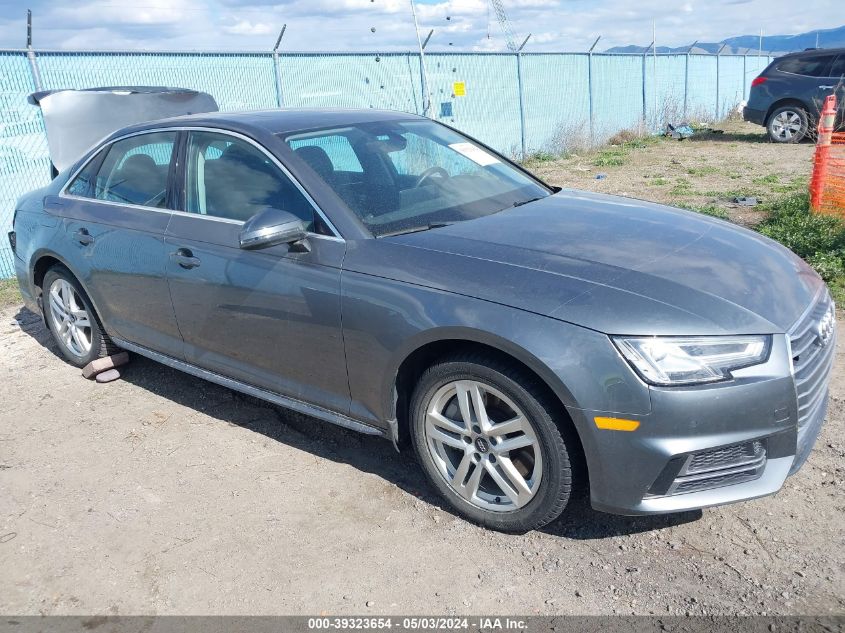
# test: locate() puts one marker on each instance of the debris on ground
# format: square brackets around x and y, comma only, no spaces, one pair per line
[110,375]
[680,131]
[100,365]
[745,201]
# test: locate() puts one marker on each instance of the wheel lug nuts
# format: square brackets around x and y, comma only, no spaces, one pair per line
[467,439]
[476,457]
[476,429]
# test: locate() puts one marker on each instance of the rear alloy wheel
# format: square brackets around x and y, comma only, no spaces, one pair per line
[788,124]
[488,442]
[72,320]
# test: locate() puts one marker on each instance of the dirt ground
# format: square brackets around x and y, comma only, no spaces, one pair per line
[165,494]
[708,170]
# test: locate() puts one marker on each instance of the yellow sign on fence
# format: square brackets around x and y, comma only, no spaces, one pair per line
[459,89]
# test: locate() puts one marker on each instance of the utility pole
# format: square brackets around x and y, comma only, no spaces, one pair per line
[423,72]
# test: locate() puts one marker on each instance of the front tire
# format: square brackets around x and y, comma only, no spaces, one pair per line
[486,437]
[72,320]
[788,124]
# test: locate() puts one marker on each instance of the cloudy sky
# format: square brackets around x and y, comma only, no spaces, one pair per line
[562,25]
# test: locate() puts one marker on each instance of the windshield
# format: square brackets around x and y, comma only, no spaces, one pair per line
[408,176]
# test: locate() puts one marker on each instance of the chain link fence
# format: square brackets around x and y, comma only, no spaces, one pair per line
[517,103]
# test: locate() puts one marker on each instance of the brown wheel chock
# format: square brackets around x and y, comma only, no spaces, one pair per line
[105,369]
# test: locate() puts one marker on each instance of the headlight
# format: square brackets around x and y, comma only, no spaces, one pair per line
[674,360]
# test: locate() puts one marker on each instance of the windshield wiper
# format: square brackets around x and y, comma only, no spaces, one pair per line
[519,204]
[417,229]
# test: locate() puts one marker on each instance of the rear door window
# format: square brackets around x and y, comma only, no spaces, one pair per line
[810,66]
[838,69]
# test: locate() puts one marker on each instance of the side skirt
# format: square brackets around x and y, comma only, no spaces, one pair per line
[288,403]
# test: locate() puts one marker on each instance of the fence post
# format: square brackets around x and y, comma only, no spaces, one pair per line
[645,92]
[718,77]
[33,68]
[745,75]
[521,102]
[590,89]
[277,73]
[280,102]
[686,84]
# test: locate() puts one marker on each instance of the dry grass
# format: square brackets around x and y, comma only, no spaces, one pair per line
[9,294]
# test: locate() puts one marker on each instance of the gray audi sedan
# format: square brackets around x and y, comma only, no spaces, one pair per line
[386,273]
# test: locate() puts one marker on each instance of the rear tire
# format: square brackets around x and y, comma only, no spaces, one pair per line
[72,320]
[508,467]
[788,124]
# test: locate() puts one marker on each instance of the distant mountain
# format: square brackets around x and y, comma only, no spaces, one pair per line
[772,44]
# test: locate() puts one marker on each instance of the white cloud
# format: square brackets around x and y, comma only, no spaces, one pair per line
[245,27]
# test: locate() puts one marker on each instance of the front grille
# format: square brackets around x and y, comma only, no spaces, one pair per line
[727,457]
[812,360]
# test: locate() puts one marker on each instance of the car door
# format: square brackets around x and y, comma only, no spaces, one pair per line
[271,317]
[806,74]
[115,212]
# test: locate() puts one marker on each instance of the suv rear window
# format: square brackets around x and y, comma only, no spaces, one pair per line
[811,66]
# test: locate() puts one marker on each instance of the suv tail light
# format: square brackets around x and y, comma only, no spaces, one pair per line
[759,81]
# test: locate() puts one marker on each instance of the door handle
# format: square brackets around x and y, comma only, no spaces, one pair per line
[826,87]
[185,258]
[83,237]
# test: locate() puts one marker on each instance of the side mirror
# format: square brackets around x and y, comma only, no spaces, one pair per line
[271,227]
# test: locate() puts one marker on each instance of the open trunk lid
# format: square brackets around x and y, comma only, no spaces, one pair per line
[75,120]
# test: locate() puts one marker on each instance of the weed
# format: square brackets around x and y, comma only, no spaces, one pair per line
[609,158]
[771,179]
[704,170]
[819,239]
[683,187]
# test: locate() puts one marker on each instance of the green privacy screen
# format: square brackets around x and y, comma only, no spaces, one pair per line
[534,102]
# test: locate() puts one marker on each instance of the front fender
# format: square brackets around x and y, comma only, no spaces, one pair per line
[384,321]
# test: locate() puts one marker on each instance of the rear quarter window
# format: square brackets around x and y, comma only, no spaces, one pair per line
[812,66]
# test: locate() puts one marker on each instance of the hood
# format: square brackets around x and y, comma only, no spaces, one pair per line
[617,265]
[77,119]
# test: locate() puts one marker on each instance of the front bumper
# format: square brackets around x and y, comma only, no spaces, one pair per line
[715,444]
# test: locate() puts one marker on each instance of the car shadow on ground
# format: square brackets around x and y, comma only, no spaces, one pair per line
[727,137]
[365,453]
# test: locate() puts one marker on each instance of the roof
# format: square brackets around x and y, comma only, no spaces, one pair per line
[816,51]
[284,120]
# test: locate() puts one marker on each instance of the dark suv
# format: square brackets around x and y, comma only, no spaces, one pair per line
[789,94]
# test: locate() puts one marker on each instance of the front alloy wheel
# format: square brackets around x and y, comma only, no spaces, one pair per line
[489,437]
[483,446]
